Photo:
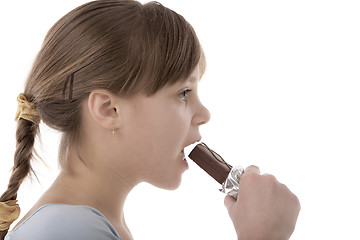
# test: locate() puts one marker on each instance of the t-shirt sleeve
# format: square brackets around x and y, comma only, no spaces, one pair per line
[65,222]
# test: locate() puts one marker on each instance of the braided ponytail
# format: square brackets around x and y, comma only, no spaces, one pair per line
[25,138]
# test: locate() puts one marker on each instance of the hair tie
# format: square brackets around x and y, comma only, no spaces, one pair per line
[26,110]
[9,212]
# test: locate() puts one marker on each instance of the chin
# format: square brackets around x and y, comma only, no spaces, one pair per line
[169,184]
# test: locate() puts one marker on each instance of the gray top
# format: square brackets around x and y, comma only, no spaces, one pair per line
[62,221]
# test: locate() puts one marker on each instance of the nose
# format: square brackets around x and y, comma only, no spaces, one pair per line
[202,116]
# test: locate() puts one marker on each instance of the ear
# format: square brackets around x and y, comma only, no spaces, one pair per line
[103,108]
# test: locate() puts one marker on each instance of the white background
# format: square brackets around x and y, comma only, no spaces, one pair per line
[282,85]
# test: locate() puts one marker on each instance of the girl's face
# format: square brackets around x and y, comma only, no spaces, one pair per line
[158,128]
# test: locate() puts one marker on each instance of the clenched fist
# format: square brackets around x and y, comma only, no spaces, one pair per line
[264,209]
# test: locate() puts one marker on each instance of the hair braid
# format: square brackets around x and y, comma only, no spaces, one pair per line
[25,138]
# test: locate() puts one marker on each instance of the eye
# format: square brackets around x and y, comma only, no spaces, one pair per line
[183,95]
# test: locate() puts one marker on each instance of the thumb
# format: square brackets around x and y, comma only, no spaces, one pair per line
[229,202]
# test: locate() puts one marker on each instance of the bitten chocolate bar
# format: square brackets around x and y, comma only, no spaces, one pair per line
[218,168]
[210,162]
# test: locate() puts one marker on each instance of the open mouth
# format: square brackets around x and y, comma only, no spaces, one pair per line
[188,149]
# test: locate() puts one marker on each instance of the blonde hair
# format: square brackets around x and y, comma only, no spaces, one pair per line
[118,45]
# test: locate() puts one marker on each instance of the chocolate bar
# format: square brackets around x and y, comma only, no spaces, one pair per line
[210,162]
[216,167]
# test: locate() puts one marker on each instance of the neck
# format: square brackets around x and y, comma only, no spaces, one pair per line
[96,187]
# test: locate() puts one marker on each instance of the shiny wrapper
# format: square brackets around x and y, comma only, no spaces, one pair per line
[231,184]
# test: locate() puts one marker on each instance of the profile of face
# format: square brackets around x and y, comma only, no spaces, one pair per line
[157,128]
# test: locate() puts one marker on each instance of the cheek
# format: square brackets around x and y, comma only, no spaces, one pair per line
[158,130]
[167,133]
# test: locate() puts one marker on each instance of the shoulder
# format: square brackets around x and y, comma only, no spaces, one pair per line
[61,221]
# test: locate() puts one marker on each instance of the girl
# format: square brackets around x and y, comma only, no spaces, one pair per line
[119,79]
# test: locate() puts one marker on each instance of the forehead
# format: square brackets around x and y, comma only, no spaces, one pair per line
[195,76]
[190,82]
[192,79]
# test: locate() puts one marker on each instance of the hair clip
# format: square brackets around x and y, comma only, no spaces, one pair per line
[71,79]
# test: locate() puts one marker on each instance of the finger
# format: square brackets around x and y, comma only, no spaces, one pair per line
[252,169]
[229,202]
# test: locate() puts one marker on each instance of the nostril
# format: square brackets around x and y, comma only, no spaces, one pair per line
[201,123]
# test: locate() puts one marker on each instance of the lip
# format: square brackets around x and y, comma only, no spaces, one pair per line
[195,142]
[189,147]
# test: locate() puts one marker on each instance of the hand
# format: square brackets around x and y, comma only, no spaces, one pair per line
[264,209]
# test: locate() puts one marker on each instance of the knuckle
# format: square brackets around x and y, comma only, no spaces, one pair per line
[296,202]
[252,167]
[293,199]
[251,176]
[270,179]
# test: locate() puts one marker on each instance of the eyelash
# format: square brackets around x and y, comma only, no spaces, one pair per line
[184,94]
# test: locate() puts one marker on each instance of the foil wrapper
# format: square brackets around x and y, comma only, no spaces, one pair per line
[231,184]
